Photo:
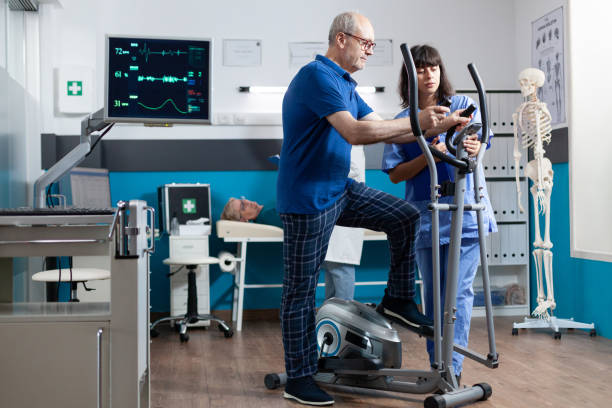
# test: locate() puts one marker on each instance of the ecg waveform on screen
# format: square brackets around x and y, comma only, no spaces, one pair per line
[165,78]
[162,105]
[146,51]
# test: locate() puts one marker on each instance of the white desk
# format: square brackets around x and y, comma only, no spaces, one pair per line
[242,233]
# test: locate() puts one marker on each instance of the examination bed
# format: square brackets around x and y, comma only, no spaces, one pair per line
[242,233]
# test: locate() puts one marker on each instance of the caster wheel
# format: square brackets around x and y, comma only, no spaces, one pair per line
[184,337]
[592,333]
[515,332]
[154,333]
[228,333]
[272,381]
[486,388]
[557,336]
[177,328]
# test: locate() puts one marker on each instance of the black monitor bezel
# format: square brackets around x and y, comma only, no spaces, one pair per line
[120,119]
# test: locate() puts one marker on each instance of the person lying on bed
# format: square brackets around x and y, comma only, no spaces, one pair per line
[241,209]
[344,251]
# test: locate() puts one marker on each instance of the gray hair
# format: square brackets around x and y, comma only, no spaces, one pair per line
[229,213]
[343,23]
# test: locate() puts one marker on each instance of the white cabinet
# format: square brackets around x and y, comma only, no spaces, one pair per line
[55,363]
[185,247]
[60,354]
[508,249]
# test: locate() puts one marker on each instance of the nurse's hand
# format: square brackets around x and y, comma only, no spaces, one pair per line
[472,145]
[440,146]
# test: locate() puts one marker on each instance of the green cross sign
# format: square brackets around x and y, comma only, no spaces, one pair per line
[189,205]
[75,88]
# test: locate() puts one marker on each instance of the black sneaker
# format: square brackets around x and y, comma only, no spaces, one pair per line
[405,311]
[306,391]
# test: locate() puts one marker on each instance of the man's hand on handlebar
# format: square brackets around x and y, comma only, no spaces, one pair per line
[450,121]
[432,116]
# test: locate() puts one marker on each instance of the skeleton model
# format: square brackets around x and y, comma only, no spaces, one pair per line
[532,128]
[532,120]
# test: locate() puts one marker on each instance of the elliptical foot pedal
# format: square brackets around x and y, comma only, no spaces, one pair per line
[423,331]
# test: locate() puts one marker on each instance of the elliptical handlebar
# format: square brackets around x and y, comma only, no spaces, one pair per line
[484,114]
[413,91]
[450,132]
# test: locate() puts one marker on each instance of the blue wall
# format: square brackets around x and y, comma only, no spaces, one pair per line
[577,281]
[582,287]
[264,259]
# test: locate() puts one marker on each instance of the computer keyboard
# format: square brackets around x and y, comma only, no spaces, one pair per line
[55,211]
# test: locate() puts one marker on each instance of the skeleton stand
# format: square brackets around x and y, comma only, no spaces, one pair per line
[533,119]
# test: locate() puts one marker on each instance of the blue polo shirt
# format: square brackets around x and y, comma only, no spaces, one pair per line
[315,158]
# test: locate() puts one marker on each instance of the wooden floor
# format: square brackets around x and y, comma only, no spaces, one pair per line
[535,370]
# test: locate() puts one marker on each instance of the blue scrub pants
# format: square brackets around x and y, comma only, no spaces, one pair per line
[468,264]
[339,280]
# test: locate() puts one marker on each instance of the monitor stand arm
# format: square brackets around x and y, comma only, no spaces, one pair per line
[91,123]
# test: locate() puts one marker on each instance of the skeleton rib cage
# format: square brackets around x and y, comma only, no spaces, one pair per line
[530,127]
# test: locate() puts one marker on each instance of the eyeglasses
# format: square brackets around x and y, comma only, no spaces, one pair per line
[365,44]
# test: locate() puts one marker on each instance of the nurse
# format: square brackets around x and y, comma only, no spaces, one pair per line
[406,162]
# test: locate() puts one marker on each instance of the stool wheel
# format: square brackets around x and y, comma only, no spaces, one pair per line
[154,333]
[184,337]
[226,332]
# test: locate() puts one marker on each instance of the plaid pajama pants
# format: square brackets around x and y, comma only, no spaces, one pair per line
[305,241]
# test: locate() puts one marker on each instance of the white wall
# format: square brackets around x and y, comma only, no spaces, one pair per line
[479,31]
[590,167]
[19,105]
[19,127]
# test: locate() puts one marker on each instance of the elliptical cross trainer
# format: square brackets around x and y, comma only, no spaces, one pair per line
[359,348]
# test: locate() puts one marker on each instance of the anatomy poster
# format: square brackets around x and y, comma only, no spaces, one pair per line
[547,55]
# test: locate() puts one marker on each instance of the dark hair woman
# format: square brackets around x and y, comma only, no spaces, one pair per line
[406,162]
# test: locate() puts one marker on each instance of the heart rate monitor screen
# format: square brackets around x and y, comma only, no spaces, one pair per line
[158,80]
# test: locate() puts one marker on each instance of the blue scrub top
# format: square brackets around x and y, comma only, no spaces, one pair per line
[313,173]
[418,189]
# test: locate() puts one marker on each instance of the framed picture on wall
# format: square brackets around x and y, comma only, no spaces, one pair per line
[241,53]
[547,54]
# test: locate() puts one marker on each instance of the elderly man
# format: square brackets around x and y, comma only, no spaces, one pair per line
[323,116]
[241,209]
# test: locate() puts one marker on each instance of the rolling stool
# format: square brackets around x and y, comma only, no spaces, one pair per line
[79,275]
[192,315]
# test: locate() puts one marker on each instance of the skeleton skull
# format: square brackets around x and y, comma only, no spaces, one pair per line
[530,79]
